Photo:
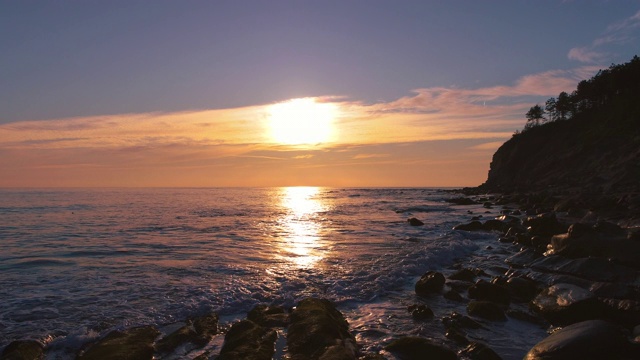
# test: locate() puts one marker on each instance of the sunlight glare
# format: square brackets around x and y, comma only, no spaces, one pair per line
[302,121]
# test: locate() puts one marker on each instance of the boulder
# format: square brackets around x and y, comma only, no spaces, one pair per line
[577,244]
[564,304]
[521,289]
[465,274]
[318,330]
[420,312]
[486,310]
[496,225]
[523,259]
[486,291]
[248,341]
[135,343]
[23,350]
[431,282]
[472,226]
[544,225]
[199,332]
[459,321]
[594,339]
[416,348]
[269,316]
[462,201]
[415,222]
[453,296]
[479,351]
[623,311]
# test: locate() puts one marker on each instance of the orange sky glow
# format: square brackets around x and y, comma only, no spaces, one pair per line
[436,137]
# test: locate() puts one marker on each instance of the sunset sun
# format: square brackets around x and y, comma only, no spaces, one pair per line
[302,121]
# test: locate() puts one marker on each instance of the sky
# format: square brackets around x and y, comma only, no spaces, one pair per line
[285,93]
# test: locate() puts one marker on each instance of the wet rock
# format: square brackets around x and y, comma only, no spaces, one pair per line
[595,269]
[523,259]
[563,304]
[581,243]
[462,201]
[269,316]
[486,291]
[495,225]
[544,224]
[135,343]
[415,348]
[199,332]
[420,312]
[415,222]
[465,274]
[594,339]
[431,282]
[513,221]
[249,341]
[623,311]
[472,226]
[458,321]
[453,296]
[521,289]
[23,350]
[318,330]
[525,316]
[479,351]
[457,335]
[486,310]
[614,290]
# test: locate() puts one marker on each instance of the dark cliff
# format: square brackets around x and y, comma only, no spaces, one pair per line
[592,152]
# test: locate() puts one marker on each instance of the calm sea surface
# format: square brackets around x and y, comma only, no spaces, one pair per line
[75,264]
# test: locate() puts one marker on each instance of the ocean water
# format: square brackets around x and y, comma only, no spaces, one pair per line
[75,264]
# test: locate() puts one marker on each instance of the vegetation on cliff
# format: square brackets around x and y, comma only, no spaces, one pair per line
[586,142]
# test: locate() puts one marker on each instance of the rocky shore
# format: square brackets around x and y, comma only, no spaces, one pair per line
[575,274]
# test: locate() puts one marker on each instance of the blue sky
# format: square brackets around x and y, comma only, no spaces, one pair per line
[88,59]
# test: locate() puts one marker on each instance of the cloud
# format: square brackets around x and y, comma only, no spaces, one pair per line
[619,33]
[370,156]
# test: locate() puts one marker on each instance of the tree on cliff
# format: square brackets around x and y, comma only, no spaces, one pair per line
[534,116]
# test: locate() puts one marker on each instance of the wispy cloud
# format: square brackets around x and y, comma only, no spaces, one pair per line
[619,33]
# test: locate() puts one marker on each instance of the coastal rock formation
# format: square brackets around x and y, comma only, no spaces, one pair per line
[248,340]
[197,332]
[564,304]
[319,331]
[431,282]
[594,339]
[135,343]
[416,348]
[23,350]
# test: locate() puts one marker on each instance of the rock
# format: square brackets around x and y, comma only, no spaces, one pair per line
[593,244]
[465,274]
[415,222]
[23,350]
[135,343]
[594,339]
[199,333]
[472,226]
[486,291]
[623,311]
[495,225]
[420,312]
[521,289]
[269,316]
[479,351]
[486,310]
[544,224]
[431,282]
[318,330]
[457,335]
[595,269]
[563,304]
[453,296]
[415,348]
[525,316]
[458,321]
[249,341]
[523,259]
[462,201]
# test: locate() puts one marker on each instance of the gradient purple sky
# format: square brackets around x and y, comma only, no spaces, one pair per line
[176,93]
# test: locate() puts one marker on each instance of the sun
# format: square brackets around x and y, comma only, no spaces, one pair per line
[302,121]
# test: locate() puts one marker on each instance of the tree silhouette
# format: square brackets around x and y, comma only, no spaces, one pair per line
[534,116]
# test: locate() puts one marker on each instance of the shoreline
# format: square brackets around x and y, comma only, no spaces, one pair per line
[459,279]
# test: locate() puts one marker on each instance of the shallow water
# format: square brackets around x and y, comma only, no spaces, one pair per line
[77,263]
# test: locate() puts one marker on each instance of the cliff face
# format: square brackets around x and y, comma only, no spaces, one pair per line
[591,154]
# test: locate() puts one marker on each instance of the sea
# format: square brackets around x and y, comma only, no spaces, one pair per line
[78,263]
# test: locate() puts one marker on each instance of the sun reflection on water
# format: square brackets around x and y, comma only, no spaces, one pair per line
[301,243]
